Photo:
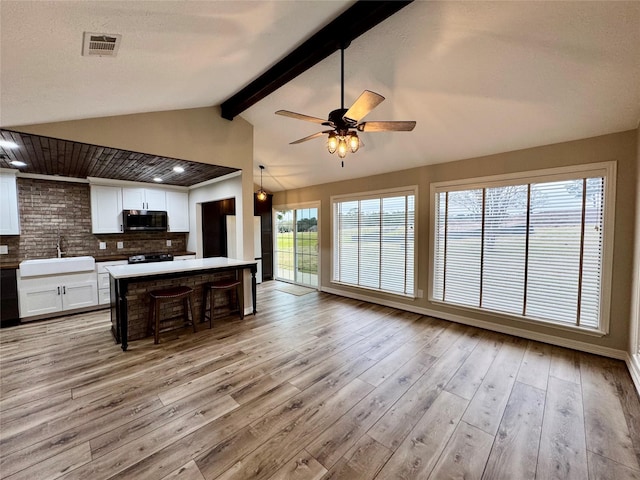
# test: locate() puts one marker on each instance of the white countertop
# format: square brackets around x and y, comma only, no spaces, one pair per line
[177,266]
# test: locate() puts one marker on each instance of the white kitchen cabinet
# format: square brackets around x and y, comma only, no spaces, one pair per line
[177,211]
[56,293]
[104,283]
[106,209]
[143,199]
[9,210]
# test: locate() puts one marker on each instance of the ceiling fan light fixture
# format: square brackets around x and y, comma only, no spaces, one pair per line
[342,147]
[354,142]
[332,143]
[261,195]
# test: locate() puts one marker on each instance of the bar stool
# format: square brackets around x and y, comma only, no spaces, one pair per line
[209,290]
[165,295]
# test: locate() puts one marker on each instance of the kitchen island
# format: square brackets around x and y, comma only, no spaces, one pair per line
[131,284]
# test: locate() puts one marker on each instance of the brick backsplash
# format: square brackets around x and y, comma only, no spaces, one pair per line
[49,208]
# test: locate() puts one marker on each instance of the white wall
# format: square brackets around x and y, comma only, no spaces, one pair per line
[229,187]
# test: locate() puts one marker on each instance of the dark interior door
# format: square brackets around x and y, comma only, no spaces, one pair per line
[214,227]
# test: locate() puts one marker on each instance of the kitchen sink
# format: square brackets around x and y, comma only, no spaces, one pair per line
[56,266]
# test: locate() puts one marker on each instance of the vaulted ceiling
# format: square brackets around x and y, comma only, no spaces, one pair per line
[478,77]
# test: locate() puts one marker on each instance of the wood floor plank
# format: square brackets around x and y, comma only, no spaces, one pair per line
[394,426]
[469,377]
[515,449]
[487,406]
[534,369]
[56,466]
[120,458]
[563,454]
[188,471]
[602,468]
[222,456]
[279,449]
[333,443]
[209,436]
[37,445]
[391,363]
[362,462]
[612,438]
[417,455]
[302,467]
[565,364]
[465,454]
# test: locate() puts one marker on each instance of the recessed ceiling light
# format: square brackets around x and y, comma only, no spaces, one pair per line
[178,169]
[18,163]
[8,144]
[157,179]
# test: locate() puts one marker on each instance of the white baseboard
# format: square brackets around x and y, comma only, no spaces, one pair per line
[515,331]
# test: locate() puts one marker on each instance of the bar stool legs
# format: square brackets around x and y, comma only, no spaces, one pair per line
[164,295]
[209,290]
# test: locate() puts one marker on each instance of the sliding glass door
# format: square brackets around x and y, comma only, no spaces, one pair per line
[296,246]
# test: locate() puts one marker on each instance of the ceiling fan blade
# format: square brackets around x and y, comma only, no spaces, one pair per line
[311,137]
[387,126]
[366,102]
[300,116]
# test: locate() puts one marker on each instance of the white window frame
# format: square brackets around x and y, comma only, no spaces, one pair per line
[369,195]
[604,169]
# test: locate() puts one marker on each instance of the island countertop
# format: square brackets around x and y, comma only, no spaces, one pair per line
[130,286]
[177,266]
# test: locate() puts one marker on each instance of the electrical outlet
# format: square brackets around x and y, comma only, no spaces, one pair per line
[120,244]
[420,293]
[4,249]
[103,245]
[168,243]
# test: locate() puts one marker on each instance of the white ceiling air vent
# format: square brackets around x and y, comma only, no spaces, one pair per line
[101,44]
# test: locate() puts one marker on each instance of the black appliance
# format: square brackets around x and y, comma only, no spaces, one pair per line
[144,220]
[151,257]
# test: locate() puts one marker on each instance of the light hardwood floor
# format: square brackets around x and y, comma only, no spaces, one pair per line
[312,387]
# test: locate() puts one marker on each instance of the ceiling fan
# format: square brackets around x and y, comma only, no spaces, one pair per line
[345,123]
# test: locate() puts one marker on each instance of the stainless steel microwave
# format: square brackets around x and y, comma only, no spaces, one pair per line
[144,220]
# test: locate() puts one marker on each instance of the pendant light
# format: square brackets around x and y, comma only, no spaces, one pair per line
[261,195]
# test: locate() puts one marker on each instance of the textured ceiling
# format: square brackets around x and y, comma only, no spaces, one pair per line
[478,77]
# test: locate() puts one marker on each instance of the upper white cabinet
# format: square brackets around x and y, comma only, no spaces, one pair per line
[106,209]
[143,199]
[9,211]
[177,211]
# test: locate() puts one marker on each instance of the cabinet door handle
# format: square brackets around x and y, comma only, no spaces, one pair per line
[121,229]
[64,290]
[58,290]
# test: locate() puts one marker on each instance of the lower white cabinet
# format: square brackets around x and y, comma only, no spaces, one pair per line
[56,293]
[104,284]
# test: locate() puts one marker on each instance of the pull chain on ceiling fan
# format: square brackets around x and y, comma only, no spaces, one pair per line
[345,122]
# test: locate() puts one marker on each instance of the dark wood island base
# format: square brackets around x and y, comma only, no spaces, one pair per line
[131,284]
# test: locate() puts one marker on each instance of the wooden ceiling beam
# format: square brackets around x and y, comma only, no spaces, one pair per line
[359,18]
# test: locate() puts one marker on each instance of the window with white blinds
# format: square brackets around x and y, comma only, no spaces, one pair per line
[531,246]
[373,241]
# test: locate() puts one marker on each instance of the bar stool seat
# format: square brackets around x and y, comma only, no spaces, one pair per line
[166,295]
[209,290]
